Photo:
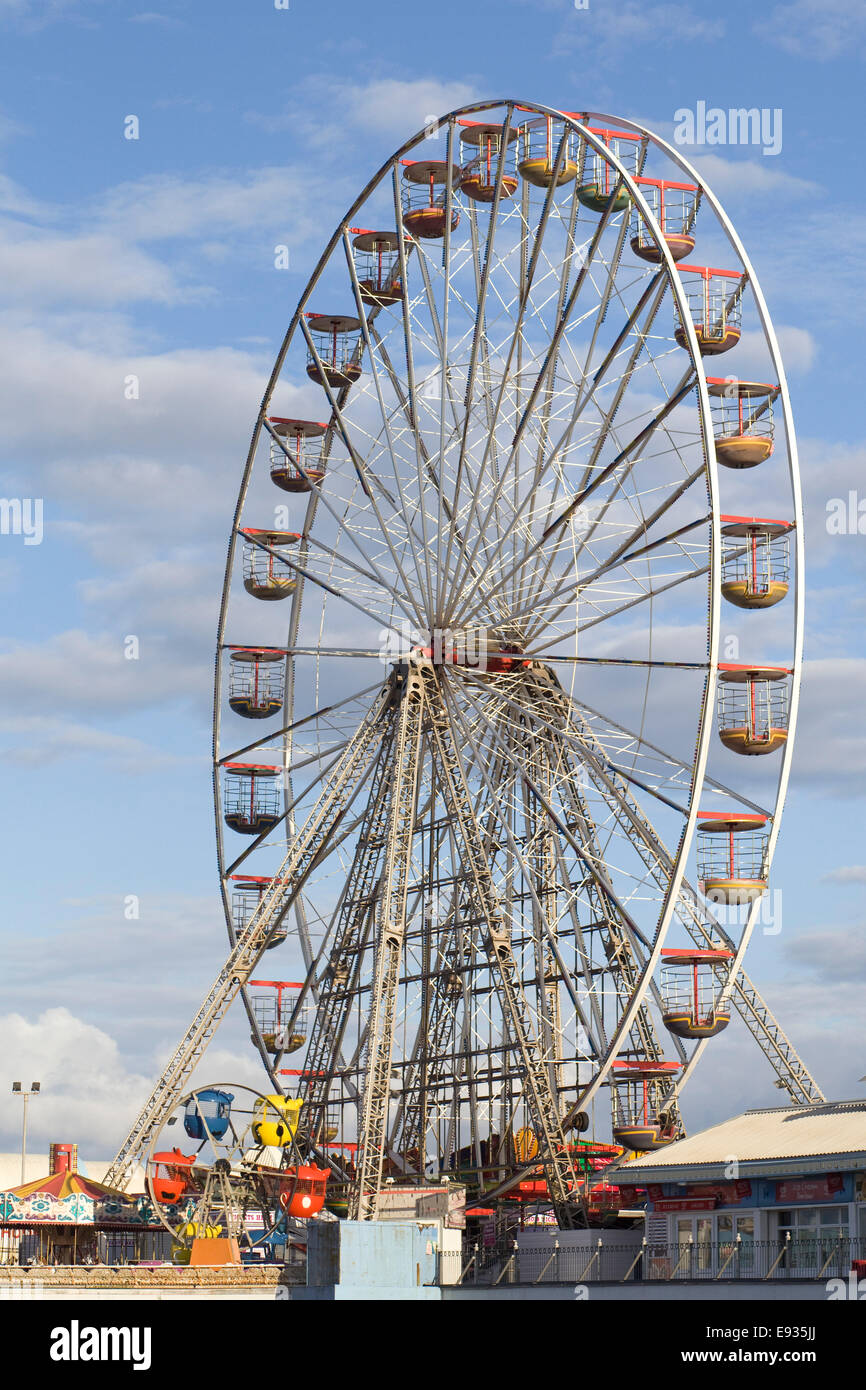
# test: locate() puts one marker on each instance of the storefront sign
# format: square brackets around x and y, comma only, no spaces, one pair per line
[810,1189]
[630,1195]
[604,1197]
[727,1194]
[684,1204]
[723,1194]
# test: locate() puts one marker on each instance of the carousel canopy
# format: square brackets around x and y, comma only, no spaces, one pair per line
[66,1184]
[71,1199]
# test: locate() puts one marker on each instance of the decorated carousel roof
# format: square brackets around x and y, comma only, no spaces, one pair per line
[67,1184]
[67,1197]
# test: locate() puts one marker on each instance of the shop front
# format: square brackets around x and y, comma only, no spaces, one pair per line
[739,1200]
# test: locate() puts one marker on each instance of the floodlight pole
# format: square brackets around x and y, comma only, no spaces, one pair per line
[25,1096]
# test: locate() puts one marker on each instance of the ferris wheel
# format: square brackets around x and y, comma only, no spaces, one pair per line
[498,543]
[234,1186]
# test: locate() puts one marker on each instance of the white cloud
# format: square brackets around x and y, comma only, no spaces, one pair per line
[35,14]
[96,255]
[91,1092]
[816,992]
[823,1019]
[93,1005]
[851,873]
[388,107]
[819,29]
[10,128]
[797,346]
[165,206]
[88,1091]
[631,22]
[15,199]
[153,17]
[834,954]
[829,471]
[10,573]
[826,287]
[174,598]
[94,676]
[92,269]
[178,407]
[389,104]
[42,743]
[831,737]
[746,177]
[147,489]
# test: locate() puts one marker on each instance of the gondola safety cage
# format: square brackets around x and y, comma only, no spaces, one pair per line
[755,561]
[171,1176]
[753,707]
[731,855]
[480,146]
[334,349]
[714,299]
[425,192]
[256,681]
[376,257]
[743,423]
[690,991]
[295,467]
[267,576]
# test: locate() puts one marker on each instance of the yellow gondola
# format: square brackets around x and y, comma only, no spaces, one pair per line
[275,1120]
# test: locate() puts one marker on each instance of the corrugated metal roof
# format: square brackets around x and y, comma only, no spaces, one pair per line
[838,1127]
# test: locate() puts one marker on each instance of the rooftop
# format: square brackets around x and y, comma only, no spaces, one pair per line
[805,1138]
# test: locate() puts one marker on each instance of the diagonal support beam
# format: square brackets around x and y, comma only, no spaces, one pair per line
[562,1181]
[390,936]
[327,814]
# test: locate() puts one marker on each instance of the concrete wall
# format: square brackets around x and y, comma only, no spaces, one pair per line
[378,1257]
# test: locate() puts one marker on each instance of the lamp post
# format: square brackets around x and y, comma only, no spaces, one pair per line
[35,1088]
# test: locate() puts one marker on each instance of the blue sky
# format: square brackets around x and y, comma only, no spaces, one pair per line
[155,257]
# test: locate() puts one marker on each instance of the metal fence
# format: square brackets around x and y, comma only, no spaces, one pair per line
[610,1261]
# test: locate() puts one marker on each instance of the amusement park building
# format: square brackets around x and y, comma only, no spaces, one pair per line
[789,1174]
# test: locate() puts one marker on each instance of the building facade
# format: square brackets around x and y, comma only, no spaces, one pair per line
[771,1190]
